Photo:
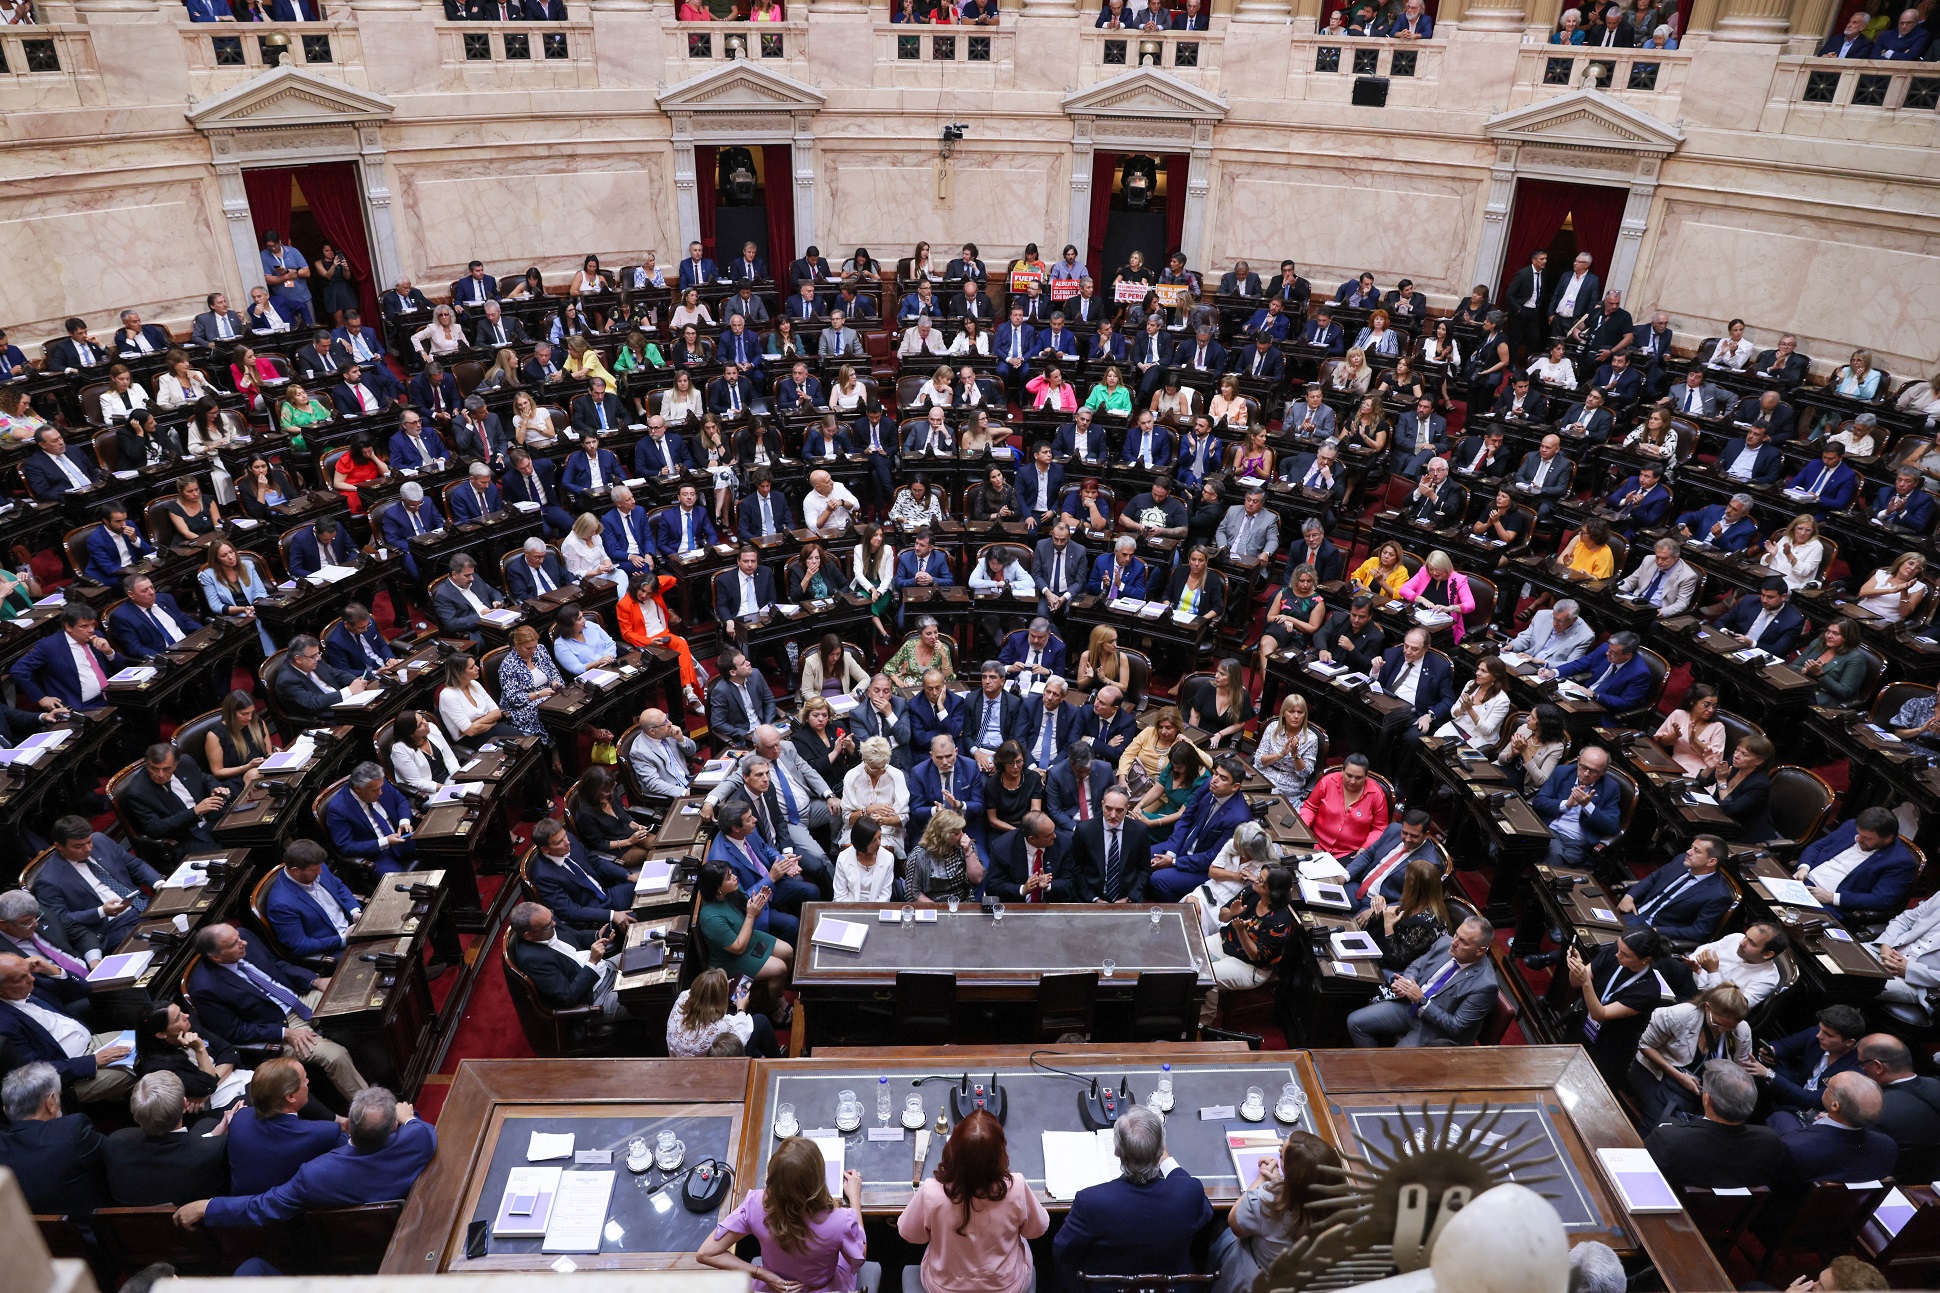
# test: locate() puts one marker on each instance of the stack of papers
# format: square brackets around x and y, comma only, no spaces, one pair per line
[1326,668]
[834,1160]
[1322,867]
[1152,610]
[191,874]
[525,1209]
[843,704]
[655,877]
[845,934]
[456,791]
[361,699]
[578,1213]
[1792,893]
[125,968]
[1351,945]
[134,673]
[1639,1184]
[525,505]
[34,749]
[599,678]
[1252,1149]
[501,618]
[1318,894]
[331,574]
[292,759]
[1128,605]
[1074,1160]
[713,772]
[548,1145]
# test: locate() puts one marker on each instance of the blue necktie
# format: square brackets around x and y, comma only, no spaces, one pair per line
[1656,581]
[275,991]
[1047,739]
[1434,985]
[787,799]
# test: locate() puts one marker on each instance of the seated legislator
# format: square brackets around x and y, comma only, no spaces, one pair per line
[590,467]
[1754,458]
[1420,678]
[1826,485]
[58,466]
[389,1149]
[536,572]
[35,1031]
[1861,865]
[1841,1143]
[1768,621]
[1381,867]
[743,593]
[161,1160]
[1144,1220]
[68,669]
[1118,573]
[1111,855]
[173,799]
[1443,998]
[116,545]
[1719,1148]
[1555,636]
[282,1128]
[568,967]
[585,890]
[246,995]
[322,543]
[57,1159]
[1684,899]
[760,870]
[1581,805]
[738,701]
[370,819]
[478,497]
[1346,811]
[308,908]
[148,623]
[763,511]
[92,886]
[1663,579]
[414,514]
[463,598]
[1614,674]
[1726,527]
[307,687]
[1031,865]
[1210,817]
[1802,1063]
[1641,502]
[1902,506]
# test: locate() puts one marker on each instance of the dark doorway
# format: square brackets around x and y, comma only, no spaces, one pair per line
[314,205]
[1118,228]
[1562,219]
[733,215]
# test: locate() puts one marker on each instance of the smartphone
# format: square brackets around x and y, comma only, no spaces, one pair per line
[743,985]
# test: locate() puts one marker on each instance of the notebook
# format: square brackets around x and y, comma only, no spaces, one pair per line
[845,934]
[1638,1183]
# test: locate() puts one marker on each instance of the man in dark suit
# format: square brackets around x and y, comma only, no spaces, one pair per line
[389,1149]
[58,1159]
[1291,289]
[477,434]
[1382,866]
[148,623]
[1641,502]
[159,1160]
[1321,333]
[1211,816]
[463,598]
[1142,1222]
[1527,302]
[1351,637]
[477,287]
[1768,621]
[992,714]
[308,909]
[1261,361]
[1110,855]
[527,480]
[1720,1149]
[731,395]
[1080,439]
[1437,501]
[320,361]
[1421,678]
[218,323]
[1483,457]
[1783,363]
[478,497]
[1841,1143]
[57,954]
[248,996]
[1314,548]
[546,952]
[1909,1104]
[77,350]
[1033,652]
[1107,724]
[355,646]
[1050,725]
[1577,292]
[535,571]
[134,338]
[92,883]
[323,542]
[171,798]
[1421,434]
[1151,355]
[1612,672]
[764,511]
[403,299]
[660,452]
[1903,505]
[542,369]
[1075,786]
[1861,865]
[413,514]
[1029,865]
[1753,458]
[1618,380]
[34,1028]
[1582,806]
[1443,998]
[935,710]
[497,331]
[1686,898]
[269,1141]
[1850,41]
[946,779]
[972,304]
[591,466]
[354,340]
[307,687]
[1802,1063]
[697,270]
[810,267]
[743,593]
[738,702]
[586,890]
[58,467]
[598,410]
[114,547]
[1521,402]
[364,392]
[1240,281]
[684,527]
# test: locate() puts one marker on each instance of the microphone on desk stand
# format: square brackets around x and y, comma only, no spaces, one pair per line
[422,892]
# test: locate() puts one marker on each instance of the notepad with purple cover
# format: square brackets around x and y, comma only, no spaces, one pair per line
[1638,1183]
[845,934]
[530,1190]
[1894,1212]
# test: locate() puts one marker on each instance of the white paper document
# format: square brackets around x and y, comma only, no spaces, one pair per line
[331,574]
[293,758]
[134,673]
[548,1145]
[833,1161]
[361,699]
[1322,867]
[845,934]
[578,1213]
[1792,893]
[501,618]
[1074,1160]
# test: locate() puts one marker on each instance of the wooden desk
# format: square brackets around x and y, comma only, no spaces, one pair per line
[382,1017]
[1834,962]
[271,811]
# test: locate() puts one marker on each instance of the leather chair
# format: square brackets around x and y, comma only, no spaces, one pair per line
[351,1241]
[1139,681]
[926,1007]
[266,675]
[1827,1218]
[162,854]
[1659,671]
[1909,1258]
[1736,728]
[1162,1006]
[1893,697]
[191,738]
[1722,1218]
[488,667]
[1801,803]
[1066,1003]
[1484,592]
[575,1030]
[75,544]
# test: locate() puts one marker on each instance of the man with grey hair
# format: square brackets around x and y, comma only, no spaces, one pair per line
[1032,654]
[1249,533]
[1437,500]
[1596,1268]
[159,1160]
[496,332]
[536,572]
[463,599]
[568,967]
[371,819]
[1051,725]
[412,515]
[1616,677]
[1903,505]
[1555,636]
[389,1148]
[1719,1149]
[1118,573]
[1727,526]
[308,687]
[659,755]
[33,1027]
[56,1158]
[58,960]
[1144,1222]
[629,539]
[792,801]
[1442,999]
[478,497]
[248,996]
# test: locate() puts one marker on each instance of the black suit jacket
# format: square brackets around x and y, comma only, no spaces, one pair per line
[560,981]
[156,811]
[177,1167]
[1910,1114]
[1087,865]
[58,1163]
[299,696]
[1692,1150]
[727,592]
[1011,866]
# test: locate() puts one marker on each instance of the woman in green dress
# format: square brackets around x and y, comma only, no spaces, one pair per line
[734,945]
[637,355]
[1111,394]
[927,649]
[18,592]
[1184,769]
[297,412]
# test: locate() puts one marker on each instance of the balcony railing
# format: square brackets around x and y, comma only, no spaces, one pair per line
[48,67]
[518,55]
[1327,68]
[973,55]
[773,43]
[1650,79]
[1871,102]
[220,55]
[1191,55]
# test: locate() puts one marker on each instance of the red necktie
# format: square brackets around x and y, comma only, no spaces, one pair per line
[1037,868]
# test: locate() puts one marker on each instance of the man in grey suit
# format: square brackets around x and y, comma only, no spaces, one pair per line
[1544,473]
[659,756]
[798,784]
[839,340]
[1697,397]
[738,702]
[463,598]
[1909,949]
[218,323]
[1440,1000]
[1309,417]
[1058,567]
[1249,532]
[1556,635]
[746,304]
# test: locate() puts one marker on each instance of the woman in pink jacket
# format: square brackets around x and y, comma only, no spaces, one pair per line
[976,1216]
[1438,583]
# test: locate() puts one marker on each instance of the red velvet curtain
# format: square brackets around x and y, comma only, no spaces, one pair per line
[1541,206]
[269,200]
[1104,170]
[707,189]
[337,201]
[1596,213]
[1176,167]
[778,179]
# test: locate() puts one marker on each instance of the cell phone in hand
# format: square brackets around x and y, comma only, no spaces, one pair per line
[743,986]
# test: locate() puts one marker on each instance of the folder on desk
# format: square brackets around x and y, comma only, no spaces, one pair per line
[525,1209]
[1639,1184]
[126,968]
[503,619]
[845,934]
[1316,894]
[133,674]
[655,877]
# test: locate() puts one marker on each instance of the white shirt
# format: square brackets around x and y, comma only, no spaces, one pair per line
[472,597]
[1756,981]
[1408,683]
[460,708]
[1744,464]
[857,883]
[84,668]
[1830,873]
[1759,625]
[829,510]
[68,1034]
[582,558]
[1567,303]
[338,918]
[93,881]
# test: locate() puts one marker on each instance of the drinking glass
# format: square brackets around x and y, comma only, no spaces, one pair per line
[909,915]
[997,912]
[1106,970]
[954,900]
[1158,914]
[785,1124]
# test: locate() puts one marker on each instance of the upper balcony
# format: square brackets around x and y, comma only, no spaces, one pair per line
[222,55]
[1855,99]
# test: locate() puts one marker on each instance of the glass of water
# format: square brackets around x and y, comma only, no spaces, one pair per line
[909,915]
[997,912]
[1158,914]
[953,901]
[1108,968]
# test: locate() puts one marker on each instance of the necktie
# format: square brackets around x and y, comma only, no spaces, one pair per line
[1380,872]
[1111,866]
[767,520]
[48,951]
[169,635]
[94,662]
[274,990]
[1434,984]
[1037,868]
[1656,582]
[601,407]
[417,520]
[787,798]
[223,331]
[1084,798]
[1047,739]
[1825,474]
[538,489]
[1657,904]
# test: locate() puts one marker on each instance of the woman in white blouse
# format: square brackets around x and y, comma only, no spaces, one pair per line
[1656,437]
[1553,368]
[692,310]
[877,791]
[1896,592]
[683,402]
[1441,348]
[181,384]
[865,871]
[1858,436]
[589,281]
[123,396]
[937,390]
[875,573]
[1477,717]
[1179,401]
[421,759]
[441,336]
[1922,399]
[1734,352]
[1289,751]
[582,550]
[916,506]
[971,341]
[848,394]
[1797,553]
[468,710]
[531,425]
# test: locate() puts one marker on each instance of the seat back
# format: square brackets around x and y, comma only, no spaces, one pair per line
[192,736]
[1801,802]
[1875,667]
[1721,1218]
[1138,679]
[1736,728]
[75,544]
[926,1007]
[138,1237]
[1065,1004]
[351,1241]
[488,668]
[1484,593]
[1660,670]
[1626,796]
[1827,1219]
[1162,1009]
[1893,698]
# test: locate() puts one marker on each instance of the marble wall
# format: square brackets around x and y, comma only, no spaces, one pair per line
[888,200]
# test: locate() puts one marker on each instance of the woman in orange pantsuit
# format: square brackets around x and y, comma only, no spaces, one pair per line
[645,621]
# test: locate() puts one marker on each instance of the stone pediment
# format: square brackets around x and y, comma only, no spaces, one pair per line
[1145,92]
[1586,119]
[740,86]
[289,96]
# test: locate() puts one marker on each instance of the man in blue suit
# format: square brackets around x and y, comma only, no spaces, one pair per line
[416,447]
[921,566]
[364,392]
[1769,621]
[413,514]
[1152,357]
[1421,434]
[758,866]
[1752,458]
[148,623]
[1013,347]
[583,889]
[269,1141]
[33,1030]
[1203,355]
[1862,865]
[1040,484]
[992,715]
[1034,651]
[474,289]
[582,463]
[359,342]
[355,646]
[799,392]
[389,1149]
[1618,380]
[946,780]
[1148,444]
[1211,816]
[58,467]
[1382,867]
[1905,41]
[529,481]
[1273,322]
[739,346]
[92,885]
[308,908]
[1106,347]
[1614,674]
[1726,527]
[321,543]
[370,819]
[1902,505]
[535,572]
[1118,573]
[696,270]
[1686,898]
[1049,727]
[1641,502]
[684,527]
[1079,439]
[1420,677]
[1262,362]
[1852,42]
[1074,789]
[731,395]
[660,452]
[1803,1062]
[115,547]
[478,497]
[1828,483]
[1581,805]
[1841,1143]
[69,668]
[750,268]
[1141,1223]
[249,997]
[1323,334]
[625,533]
[935,710]
[1107,724]
[764,511]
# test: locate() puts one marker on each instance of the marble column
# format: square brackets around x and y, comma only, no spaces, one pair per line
[1494,15]
[1810,18]
[1078,228]
[801,151]
[686,198]
[375,166]
[1276,11]
[1192,232]
[242,232]
[1630,233]
[1306,16]
[1494,243]
[1757,21]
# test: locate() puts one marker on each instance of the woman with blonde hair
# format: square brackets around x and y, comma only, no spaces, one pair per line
[938,390]
[503,375]
[810,1243]
[1351,373]
[944,864]
[1102,662]
[1152,746]
[706,1010]
[583,550]
[878,791]
[1289,751]
[1440,586]
[584,362]
[1796,553]
[531,425]
[1895,592]
[441,336]
[1679,1041]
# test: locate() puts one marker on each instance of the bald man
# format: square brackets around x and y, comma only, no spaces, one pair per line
[1841,1143]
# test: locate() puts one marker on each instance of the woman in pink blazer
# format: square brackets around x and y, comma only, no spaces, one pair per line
[1438,583]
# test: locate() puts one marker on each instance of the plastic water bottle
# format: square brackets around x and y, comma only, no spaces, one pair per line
[882,1100]
[1164,1093]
